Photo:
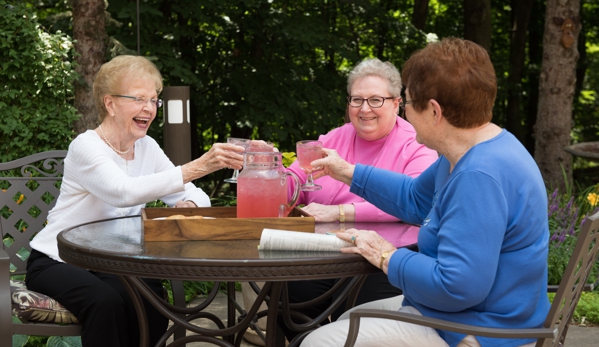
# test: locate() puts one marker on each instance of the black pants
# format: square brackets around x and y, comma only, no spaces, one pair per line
[98,300]
[375,287]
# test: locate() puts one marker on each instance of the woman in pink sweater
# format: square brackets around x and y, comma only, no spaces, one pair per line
[374,135]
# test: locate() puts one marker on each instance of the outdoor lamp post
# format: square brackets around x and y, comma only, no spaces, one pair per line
[177,124]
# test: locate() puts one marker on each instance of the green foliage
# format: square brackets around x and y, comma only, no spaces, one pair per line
[265,69]
[36,85]
[195,288]
[587,308]
[288,158]
[566,212]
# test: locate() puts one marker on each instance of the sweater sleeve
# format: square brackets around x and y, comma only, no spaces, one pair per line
[418,159]
[190,192]
[97,173]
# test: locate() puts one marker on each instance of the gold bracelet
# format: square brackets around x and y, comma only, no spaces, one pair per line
[384,256]
[341,214]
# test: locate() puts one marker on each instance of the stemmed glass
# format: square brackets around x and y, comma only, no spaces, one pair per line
[245,143]
[307,152]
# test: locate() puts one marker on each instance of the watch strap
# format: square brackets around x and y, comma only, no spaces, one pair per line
[341,214]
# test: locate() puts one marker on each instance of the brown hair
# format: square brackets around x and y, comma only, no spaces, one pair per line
[459,75]
[111,75]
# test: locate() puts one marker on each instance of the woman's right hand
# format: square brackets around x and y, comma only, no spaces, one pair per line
[333,165]
[220,156]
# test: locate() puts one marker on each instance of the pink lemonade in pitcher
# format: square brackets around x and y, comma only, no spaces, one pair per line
[260,197]
[262,187]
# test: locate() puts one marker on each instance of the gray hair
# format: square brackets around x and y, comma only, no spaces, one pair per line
[375,67]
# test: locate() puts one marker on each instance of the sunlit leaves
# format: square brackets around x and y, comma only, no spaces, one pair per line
[36,85]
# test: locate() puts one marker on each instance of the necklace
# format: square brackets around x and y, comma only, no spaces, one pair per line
[110,144]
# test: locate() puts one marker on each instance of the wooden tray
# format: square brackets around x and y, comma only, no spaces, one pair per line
[222,225]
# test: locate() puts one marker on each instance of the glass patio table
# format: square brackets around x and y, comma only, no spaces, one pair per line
[116,246]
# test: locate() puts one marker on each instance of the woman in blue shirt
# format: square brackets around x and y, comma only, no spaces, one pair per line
[482,208]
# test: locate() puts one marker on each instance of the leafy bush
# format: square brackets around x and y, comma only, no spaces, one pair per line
[36,85]
[587,308]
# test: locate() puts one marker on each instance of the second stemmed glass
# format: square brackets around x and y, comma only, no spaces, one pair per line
[307,152]
[245,143]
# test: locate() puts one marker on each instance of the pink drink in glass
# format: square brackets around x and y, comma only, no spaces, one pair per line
[306,155]
[307,152]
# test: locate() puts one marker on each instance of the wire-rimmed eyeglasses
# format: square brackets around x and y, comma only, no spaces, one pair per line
[373,101]
[141,101]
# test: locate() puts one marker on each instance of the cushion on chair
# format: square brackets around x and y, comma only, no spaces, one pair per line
[35,307]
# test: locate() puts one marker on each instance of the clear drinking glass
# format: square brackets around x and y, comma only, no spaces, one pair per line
[245,143]
[307,152]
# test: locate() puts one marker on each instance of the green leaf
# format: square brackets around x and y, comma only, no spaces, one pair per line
[64,341]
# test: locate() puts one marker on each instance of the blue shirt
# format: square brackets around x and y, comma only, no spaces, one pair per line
[483,241]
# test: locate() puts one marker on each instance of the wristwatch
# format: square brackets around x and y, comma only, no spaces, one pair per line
[341,214]
[384,256]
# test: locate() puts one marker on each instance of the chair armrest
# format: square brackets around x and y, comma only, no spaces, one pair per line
[5,300]
[354,325]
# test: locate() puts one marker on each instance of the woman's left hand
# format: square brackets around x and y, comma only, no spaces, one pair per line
[322,213]
[369,244]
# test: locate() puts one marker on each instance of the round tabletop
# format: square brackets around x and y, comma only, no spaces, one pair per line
[116,246]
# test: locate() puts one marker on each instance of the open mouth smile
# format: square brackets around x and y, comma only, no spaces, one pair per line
[141,121]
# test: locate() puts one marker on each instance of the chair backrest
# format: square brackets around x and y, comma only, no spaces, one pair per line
[30,187]
[573,281]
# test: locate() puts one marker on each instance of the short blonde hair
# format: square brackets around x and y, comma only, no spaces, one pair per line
[109,79]
[375,67]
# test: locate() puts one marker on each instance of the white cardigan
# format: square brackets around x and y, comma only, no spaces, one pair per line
[99,184]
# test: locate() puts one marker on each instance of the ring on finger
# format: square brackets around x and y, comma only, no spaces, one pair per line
[353,239]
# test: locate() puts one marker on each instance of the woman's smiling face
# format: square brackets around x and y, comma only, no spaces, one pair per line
[373,123]
[133,118]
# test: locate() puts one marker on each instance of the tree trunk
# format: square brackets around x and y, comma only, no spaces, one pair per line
[89,33]
[535,57]
[420,13]
[556,91]
[520,17]
[477,22]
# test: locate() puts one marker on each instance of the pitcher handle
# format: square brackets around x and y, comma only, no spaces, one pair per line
[284,210]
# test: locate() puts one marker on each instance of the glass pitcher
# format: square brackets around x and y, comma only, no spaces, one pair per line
[262,186]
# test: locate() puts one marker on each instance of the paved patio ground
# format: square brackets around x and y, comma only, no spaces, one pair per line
[578,336]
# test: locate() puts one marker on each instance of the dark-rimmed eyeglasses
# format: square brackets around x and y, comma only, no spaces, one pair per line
[373,101]
[141,101]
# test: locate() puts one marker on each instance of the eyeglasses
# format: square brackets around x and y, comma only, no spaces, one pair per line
[142,101]
[403,104]
[373,102]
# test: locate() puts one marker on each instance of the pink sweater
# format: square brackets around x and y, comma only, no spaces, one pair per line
[398,152]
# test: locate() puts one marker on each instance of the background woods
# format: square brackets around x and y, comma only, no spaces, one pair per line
[276,69]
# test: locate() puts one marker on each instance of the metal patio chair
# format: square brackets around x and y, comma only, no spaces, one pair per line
[28,193]
[29,190]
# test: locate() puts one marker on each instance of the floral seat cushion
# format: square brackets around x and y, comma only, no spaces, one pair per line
[35,307]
